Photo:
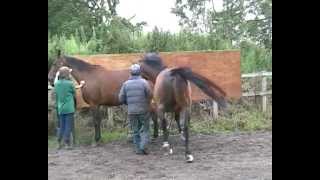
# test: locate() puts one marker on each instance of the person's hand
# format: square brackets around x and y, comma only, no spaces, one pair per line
[82,83]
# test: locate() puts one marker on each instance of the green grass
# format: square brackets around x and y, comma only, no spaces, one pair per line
[87,137]
[52,142]
[238,119]
[114,135]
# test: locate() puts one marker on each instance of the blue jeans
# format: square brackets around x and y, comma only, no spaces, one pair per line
[58,125]
[66,126]
[140,127]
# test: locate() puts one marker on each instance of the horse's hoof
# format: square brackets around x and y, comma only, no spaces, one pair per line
[165,144]
[171,151]
[166,148]
[182,137]
[189,158]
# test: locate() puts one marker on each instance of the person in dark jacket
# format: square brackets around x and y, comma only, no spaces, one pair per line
[136,93]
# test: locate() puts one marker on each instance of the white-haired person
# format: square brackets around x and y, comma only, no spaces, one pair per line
[136,93]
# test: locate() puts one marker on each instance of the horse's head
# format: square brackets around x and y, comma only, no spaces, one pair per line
[59,62]
[151,64]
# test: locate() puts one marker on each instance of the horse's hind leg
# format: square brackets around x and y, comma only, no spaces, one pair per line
[185,119]
[177,119]
[164,125]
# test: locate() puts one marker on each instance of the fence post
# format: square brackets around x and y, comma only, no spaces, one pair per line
[264,96]
[214,109]
[110,122]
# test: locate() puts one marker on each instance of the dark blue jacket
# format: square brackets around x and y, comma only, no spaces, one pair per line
[136,93]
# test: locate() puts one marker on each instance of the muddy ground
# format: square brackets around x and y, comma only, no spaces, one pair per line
[222,156]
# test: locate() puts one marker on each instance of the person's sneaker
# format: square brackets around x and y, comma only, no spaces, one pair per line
[145,151]
[60,146]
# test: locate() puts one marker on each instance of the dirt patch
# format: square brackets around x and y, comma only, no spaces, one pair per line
[221,156]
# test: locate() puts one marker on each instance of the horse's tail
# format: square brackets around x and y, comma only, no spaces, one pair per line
[207,86]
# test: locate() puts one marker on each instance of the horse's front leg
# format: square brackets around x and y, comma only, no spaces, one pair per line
[185,119]
[154,117]
[97,123]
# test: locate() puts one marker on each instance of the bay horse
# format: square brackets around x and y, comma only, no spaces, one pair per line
[101,87]
[172,93]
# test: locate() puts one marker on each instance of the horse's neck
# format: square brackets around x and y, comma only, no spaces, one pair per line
[78,75]
[154,74]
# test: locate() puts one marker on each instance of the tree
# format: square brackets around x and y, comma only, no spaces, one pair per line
[230,24]
[64,16]
[259,28]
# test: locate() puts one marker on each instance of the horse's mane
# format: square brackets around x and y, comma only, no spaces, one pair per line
[80,64]
[154,60]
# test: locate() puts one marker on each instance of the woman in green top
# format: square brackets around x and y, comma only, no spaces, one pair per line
[65,95]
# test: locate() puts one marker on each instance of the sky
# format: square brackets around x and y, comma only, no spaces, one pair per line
[154,12]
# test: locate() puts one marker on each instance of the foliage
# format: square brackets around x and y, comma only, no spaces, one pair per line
[119,40]
[93,27]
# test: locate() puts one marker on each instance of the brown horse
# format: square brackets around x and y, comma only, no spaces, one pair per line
[172,93]
[101,87]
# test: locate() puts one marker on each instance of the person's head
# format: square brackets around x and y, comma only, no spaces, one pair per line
[64,72]
[135,69]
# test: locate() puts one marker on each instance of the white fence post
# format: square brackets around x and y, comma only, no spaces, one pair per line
[264,97]
[110,122]
[214,109]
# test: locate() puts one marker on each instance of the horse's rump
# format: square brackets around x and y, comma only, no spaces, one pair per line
[207,86]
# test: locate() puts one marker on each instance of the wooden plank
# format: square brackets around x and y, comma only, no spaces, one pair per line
[247,94]
[256,74]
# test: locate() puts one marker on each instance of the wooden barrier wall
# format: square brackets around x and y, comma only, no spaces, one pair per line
[222,67]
